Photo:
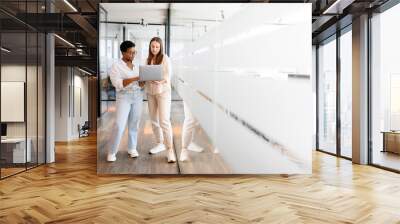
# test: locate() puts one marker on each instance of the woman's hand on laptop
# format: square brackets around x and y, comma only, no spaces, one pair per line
[126,82]
[159,82]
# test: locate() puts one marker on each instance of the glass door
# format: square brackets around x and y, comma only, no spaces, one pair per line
[385,90]
[346,92]
[22,62]
[327,96]
[334,81]
[103,62]
[15,149]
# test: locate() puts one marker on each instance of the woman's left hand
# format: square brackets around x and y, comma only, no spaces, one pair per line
[158,82]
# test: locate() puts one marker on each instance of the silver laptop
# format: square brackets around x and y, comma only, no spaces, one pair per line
[150,73]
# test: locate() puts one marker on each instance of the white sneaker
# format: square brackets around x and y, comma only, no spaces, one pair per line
[133,153]
[195,148]
[111,157]
[184,155]
[171,156]
[157,149]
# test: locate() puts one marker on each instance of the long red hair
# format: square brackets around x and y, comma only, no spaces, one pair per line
[159,57]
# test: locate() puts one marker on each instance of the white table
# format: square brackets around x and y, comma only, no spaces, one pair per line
[19,155]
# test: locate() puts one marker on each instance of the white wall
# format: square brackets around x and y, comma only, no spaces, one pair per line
[17,73]
[68,83]
[62,81]
[80,83]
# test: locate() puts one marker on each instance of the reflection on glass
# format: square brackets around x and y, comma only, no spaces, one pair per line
[111,36]
[41,150]
[22,89]
[327,96]
[346,93]
[31,98]
[385,89]
[14,148]
[103,61]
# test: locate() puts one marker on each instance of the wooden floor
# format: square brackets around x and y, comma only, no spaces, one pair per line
[205,162]
[70,191]
[5,172]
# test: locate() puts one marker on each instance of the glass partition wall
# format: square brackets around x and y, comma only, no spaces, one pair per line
[22,77]
[243,72]
[346,92]
[113,33]
[334,81]
[385,90]
[327,95]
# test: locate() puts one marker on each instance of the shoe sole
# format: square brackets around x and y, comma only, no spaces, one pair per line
[199,151]
[133,155]
[153,153]
[171,160]
[183,160]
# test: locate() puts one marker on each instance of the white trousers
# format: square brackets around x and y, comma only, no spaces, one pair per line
[189,126]
[160,110]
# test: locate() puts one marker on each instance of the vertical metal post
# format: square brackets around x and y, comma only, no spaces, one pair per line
[338,98]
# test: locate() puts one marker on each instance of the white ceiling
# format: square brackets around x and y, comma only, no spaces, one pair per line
[202,12]
[180,12]
[185,17]
[146,32]
[135,12]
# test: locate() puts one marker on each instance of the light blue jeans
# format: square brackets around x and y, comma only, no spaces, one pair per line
[128,111]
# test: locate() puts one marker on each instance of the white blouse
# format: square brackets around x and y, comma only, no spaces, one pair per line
[120,71]
[152,88]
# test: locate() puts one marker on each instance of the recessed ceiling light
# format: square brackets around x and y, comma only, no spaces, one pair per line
[70,5]
[338,6]
[84,71]
[64,40]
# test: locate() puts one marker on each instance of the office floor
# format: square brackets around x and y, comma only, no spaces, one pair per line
[70,191]
[205,162]
[10,171]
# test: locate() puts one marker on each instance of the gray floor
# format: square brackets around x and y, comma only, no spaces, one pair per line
[144,164]
[205,162]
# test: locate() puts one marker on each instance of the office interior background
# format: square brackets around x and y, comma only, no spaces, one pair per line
[51,84]
[221,54]
[68,85]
